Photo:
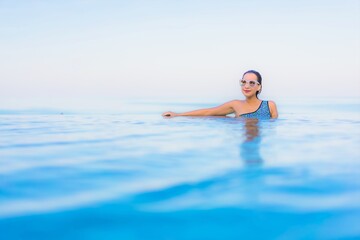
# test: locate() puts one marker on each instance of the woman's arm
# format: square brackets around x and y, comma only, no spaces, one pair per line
[221,110]
[273,109]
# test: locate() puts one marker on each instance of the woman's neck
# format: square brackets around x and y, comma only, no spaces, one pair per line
[252,100]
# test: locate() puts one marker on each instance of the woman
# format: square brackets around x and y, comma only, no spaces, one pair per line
[251,107]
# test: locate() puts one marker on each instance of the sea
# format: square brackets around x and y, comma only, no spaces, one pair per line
[128,173]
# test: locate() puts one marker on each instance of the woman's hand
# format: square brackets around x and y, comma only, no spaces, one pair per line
[169,114]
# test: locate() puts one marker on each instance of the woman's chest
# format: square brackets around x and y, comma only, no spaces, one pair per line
[243,108]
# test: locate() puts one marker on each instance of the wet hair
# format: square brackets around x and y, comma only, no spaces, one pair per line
[258,78]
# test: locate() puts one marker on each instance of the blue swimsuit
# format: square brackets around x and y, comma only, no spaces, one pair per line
[263,112]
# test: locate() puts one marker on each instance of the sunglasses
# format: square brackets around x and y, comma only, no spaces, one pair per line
[251,83]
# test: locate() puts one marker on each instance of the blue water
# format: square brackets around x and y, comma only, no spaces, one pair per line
[130,174]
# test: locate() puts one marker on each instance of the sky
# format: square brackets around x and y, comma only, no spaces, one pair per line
[64,53]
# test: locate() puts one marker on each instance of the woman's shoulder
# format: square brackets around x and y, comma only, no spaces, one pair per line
[236,102]
[273,109]
[271,103]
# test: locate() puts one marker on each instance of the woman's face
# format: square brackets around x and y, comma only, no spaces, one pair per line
[249,85]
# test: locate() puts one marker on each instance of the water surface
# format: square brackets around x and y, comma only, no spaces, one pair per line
[130,174]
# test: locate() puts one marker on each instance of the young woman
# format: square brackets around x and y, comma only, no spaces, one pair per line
[251,107]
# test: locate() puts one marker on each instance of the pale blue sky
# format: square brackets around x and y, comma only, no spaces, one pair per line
[69,52]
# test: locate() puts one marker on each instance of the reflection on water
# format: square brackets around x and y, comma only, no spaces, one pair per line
[250,147]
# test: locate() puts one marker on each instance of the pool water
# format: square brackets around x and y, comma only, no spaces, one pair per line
[131,174]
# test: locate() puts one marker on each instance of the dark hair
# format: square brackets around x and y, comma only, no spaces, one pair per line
[259,79]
